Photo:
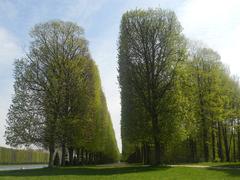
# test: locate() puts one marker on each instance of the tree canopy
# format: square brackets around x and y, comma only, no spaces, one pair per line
[178,100]
[58,101]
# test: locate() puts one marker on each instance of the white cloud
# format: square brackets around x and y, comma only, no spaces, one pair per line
[204,18]
[216,23]
[230,52]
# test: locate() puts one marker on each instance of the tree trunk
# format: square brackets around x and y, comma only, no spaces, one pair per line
[225,139]
[157,151]
[90,158]
[78,155]
[220,151]
[156,138]
[204,131]
[238,134]
[63,155]
[94,158]
[82,156]
[145,153]
[205,143]
[97,158]
[193,149]
[234,147]
[70,155]
[213,143]
[51,154]
[86,156]
[100,158]
[203,120]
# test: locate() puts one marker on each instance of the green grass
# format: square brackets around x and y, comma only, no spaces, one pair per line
[122,173]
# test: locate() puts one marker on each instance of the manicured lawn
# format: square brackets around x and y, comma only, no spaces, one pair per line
[122,173]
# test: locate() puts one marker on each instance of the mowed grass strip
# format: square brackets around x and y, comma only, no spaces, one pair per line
[122,173]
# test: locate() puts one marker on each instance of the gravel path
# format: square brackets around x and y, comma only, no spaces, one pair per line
[123,164]
[22,166]
[204,166]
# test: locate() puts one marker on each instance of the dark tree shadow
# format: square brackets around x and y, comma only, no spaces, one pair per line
[234,172]
[81,171]
[232,169]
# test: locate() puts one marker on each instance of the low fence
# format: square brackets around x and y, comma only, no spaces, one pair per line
[15,156]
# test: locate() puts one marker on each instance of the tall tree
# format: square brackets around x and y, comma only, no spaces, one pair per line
[58,94]
[151,46]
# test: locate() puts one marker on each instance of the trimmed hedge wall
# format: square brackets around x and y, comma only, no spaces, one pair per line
[15,156]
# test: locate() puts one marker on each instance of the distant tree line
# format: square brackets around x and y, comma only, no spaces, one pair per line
[58,100]
[22,156]
[179,102]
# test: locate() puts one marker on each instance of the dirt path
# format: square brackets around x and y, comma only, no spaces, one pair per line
[204,166]
[123,164]
[119,164]
[22,166]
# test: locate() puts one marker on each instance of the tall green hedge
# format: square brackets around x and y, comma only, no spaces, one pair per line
[15,156]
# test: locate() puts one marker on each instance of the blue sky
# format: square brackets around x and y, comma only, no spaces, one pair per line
[215,22]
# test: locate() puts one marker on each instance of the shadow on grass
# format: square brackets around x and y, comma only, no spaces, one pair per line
[81,171]
[234,172]
[232,169]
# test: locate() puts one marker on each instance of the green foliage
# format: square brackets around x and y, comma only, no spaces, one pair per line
[15,156]
[186,105]
[151,46]
[58,100]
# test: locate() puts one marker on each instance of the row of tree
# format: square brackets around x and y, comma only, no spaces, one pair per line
[179,102]
[23,156]
[58,101]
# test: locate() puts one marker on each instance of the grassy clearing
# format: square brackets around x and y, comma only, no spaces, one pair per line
[122,173]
